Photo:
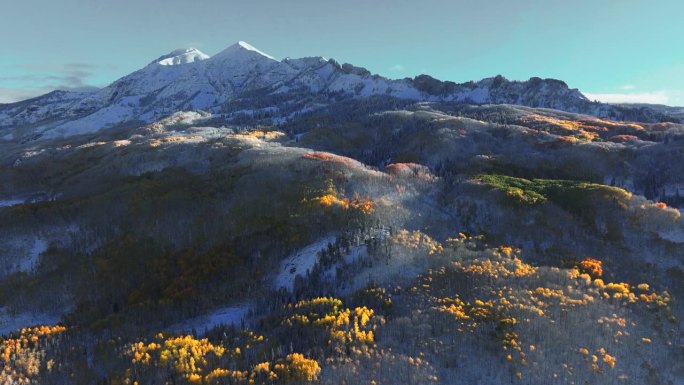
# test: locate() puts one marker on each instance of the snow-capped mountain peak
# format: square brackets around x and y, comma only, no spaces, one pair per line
[181,56]
[240,48]
[189,80]
[250,47]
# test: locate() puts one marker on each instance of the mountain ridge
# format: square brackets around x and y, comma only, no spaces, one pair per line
[188,79]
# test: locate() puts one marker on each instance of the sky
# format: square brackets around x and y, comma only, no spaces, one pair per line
[613,51]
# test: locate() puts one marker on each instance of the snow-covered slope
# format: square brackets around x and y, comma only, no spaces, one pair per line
[187,79]
[181,56]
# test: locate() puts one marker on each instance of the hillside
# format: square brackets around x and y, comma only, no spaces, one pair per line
[237,219]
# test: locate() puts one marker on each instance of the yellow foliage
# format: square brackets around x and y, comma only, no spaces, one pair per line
[506,250]
[643,287]
[344,325]
[500,268]
[262,367]
[299,368]
[260,134]
[21,356]
[363,314]
[187,355]
[196,359]
[618,290]
[216,374]
[609,360]
[416,240]
[454,307]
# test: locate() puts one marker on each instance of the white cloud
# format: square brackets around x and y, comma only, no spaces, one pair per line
[628,87]
[37,79]
[397,68]
[11,95]
[657,97]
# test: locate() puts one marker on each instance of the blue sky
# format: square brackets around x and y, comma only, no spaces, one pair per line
[627,50]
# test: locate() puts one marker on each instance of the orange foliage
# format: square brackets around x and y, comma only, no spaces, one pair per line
[583,129]
[336,159]
[623,138]
[660,205]
[506,250]
[363,205]
[406,170]
[591,266]
[264,135]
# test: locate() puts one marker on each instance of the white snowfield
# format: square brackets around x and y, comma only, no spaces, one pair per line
[300,263]
[188,79]
[182,56]
[39,247]
[250,47]
[674,235]
[356,253]
[229,315]
[12,322]
[11,202]
[21,253]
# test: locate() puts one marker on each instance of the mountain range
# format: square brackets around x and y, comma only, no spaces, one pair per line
[188,79]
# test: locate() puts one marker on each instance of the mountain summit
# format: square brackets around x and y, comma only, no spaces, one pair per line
[181,56]
[241,47]
[188,79]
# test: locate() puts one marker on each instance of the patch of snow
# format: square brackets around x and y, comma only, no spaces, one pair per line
[229,315]
[32,153]
[27,264]
[402,266]
[356,254]
[675,236]
[11,202]
[300,263]
[37,197]
[13,322]
[279,121]
[242,51]
[305,62]
[182,56]
[122,111]
[479,95]
[250,47]
[186,118]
